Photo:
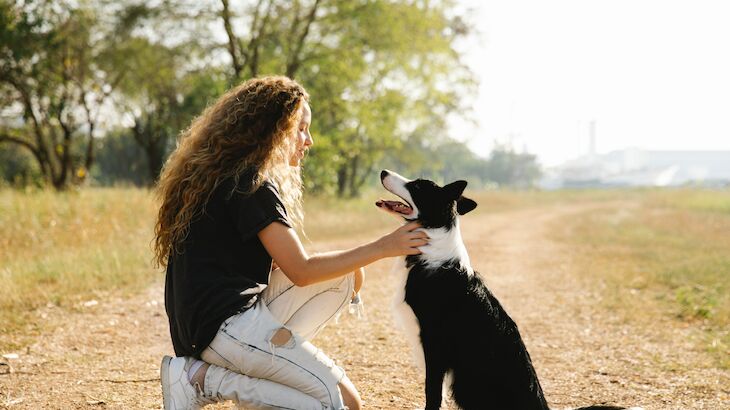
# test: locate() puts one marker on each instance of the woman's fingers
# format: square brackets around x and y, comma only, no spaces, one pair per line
[406,240]
[410,226]
[417,238]
[418,242]
[413,251]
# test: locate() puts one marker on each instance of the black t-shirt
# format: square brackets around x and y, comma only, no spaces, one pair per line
[222,264]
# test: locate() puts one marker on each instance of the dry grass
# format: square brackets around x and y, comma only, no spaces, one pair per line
[63,249]
[330,218]
[665,254]
[638,346]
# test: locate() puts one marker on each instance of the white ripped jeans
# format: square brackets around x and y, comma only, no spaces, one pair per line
[254,372]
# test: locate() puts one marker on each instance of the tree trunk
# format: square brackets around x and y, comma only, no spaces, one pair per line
[89,161]
[295,59]
[153,145]
[155,160]
[233,44]
[352,176]
[359,182]
[342,180]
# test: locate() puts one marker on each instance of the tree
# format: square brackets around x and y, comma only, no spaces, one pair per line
[447,161]
[121,160]
[52,85]
[509,168]
[160,98]
[165,108]
[17,166]
[163,87]
[383,75]
[379,73]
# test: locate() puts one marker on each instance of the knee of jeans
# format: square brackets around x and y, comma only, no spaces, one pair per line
[348,283]
[282,337]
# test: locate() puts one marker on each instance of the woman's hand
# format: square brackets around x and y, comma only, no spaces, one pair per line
[403,241]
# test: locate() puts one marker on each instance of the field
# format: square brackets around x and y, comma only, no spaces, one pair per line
[59,250]
[621,296]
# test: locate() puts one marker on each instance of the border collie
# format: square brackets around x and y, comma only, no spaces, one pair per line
[455,325]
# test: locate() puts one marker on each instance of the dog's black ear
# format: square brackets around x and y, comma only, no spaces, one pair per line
[454,189]
[464,205]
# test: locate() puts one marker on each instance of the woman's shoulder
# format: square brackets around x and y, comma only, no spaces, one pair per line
[241,183]
[270,186]
[255,202]
[249,184]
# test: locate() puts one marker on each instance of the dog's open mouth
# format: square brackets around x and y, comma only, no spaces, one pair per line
[394,206]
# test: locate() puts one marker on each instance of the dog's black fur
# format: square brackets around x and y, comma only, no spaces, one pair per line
[463,328]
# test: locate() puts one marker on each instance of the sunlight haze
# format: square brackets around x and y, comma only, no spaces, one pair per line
[652,74]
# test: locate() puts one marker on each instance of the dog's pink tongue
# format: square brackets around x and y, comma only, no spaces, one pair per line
[395,206]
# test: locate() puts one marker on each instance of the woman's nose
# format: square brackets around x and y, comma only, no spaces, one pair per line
[309,141]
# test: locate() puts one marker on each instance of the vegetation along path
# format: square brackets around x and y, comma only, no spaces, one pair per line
[107,353]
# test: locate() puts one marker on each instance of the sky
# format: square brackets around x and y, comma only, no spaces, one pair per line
[652,74]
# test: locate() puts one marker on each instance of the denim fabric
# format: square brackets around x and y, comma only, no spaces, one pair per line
[294,374]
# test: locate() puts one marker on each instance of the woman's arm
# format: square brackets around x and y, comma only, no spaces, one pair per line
[286,249]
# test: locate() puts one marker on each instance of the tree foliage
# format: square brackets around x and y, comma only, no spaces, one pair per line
[379,73]
[121,160]
[510,168]
[79,77]
[160,99]
[50,80]
[450,160]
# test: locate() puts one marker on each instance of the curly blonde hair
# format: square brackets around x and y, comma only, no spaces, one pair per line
[250,127]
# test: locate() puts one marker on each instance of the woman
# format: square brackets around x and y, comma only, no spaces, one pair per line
[231,196]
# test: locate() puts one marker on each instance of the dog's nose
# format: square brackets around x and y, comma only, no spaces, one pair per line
[384,173]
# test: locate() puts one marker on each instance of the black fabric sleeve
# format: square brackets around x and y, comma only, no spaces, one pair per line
[256,211]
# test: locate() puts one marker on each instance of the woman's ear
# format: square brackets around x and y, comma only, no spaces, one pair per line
[464,205]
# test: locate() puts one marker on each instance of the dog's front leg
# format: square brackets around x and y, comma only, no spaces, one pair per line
[435,372]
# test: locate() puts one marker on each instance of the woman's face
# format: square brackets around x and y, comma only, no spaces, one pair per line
[303,139]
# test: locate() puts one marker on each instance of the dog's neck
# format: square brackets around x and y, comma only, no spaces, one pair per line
[445,244]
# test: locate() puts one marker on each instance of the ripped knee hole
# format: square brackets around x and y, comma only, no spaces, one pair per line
[281,337]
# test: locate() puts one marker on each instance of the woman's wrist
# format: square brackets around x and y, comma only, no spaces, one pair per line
[380,247]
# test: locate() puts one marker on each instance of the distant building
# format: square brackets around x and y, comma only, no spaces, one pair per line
[635,167]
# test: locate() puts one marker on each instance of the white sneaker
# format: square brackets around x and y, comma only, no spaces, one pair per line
[177,392]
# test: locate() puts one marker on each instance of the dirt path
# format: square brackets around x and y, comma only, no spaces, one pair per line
[107,354]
